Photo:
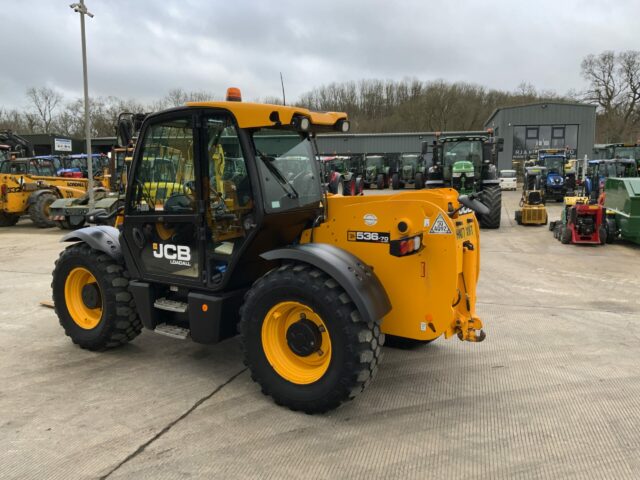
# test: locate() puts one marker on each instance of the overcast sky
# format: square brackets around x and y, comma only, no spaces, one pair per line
[142,48]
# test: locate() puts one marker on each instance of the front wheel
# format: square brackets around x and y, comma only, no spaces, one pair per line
[359,186]
[304,339]
[419,181]
[380,181]
[492,198]
[395,181]
[91,298]
[39,210]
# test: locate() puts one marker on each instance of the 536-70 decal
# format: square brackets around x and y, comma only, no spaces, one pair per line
[371,237]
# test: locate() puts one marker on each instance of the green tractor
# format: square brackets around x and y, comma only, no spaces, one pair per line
[467,162]
[376,171]
[410,169]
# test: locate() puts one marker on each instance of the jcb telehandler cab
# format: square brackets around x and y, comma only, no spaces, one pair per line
[312,282]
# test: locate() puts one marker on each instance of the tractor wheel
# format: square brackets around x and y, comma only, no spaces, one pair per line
[419,181]
[359,186]
[304,339]
[492,198]
[349,187]
[403,343]
[39,210]
[380,181]
[395,181]
[552,226]
[91,298]
[518,217]
[565,235]
[8,219]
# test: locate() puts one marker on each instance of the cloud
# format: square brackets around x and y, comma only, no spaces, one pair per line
[141,49]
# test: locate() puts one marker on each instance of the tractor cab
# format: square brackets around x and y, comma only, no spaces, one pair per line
[461,161]
[599,170]
[45,166]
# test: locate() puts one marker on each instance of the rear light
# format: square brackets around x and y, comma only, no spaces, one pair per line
[406,246]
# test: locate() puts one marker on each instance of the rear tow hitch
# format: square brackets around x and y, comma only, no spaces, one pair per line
[468,332]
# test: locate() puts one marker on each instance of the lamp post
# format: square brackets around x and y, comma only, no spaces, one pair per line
[82,10]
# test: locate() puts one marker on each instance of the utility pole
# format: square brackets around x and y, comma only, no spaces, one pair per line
[82,10]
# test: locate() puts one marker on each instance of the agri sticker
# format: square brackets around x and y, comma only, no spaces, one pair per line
[440,226]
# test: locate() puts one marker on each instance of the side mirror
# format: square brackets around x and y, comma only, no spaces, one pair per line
[477,206]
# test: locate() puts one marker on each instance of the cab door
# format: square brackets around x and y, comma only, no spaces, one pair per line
[164,213]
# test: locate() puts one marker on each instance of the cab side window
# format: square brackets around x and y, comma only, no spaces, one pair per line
[164,176]
[227,188]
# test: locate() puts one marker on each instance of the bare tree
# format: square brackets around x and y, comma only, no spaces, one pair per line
[44,100]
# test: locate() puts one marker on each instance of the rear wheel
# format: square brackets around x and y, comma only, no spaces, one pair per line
[419,181]
[349,187]
[519,217]
[39,210]
[304,340]
[359,186]
[380,181]
[8,219]
[602,233]
[91,298]
[492,198]
[565,235]
[395,181]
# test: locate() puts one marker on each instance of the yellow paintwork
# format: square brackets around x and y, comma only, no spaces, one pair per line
[534,215]
[256,115]
[292,367]
[570,201]
[20,187]
[428,290]
[83,316]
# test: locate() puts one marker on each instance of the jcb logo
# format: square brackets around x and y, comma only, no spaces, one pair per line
[176,254]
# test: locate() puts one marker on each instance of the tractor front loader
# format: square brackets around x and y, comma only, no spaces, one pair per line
[309,280]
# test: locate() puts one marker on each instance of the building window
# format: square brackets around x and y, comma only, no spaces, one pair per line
[528,138]
[532,133]
[558,132]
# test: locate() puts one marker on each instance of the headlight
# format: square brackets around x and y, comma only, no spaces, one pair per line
[456,174]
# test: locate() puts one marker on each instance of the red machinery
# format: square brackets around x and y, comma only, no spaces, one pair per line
[581,222]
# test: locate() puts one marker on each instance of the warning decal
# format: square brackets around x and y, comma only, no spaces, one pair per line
[440,226]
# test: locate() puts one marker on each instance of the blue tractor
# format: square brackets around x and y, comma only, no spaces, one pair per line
[558,181]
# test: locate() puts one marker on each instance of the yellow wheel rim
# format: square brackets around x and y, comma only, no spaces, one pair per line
[83,316]
[289,365]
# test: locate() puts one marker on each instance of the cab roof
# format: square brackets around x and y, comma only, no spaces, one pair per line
[256,115]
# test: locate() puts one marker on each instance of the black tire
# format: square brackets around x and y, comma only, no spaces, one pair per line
[552,226]
[395,181]
[419,181]
[355,344]
[335,185]
[349,187]
[380,181]
[8,219]
[119,322]
[518,217]
[359,186]
[39,210]
[611,230]
[492,198]
[602,233]
[565,235]
[403,343]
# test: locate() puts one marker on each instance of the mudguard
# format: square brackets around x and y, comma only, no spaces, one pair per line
[34,196]
[359,280]
[102,237]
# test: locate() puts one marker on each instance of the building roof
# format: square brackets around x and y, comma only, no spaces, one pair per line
[535,104]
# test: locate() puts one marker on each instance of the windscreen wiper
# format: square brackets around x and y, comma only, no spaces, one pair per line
[286,186]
